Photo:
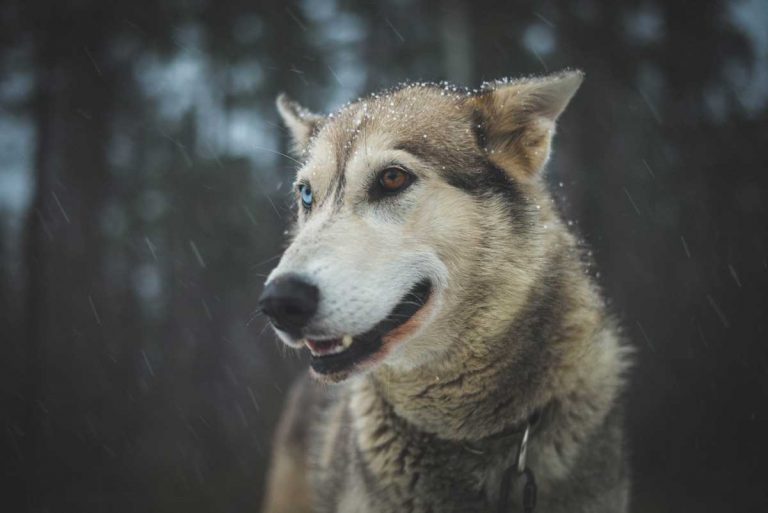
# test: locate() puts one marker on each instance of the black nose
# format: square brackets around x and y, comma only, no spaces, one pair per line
[290,301]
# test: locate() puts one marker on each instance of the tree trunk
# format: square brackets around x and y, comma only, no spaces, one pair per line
[62,250]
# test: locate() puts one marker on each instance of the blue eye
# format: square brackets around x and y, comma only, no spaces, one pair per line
[306,195]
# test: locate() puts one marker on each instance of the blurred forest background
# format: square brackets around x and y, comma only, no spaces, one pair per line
[144,197]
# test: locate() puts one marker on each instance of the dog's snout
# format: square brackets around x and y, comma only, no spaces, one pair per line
[290,302]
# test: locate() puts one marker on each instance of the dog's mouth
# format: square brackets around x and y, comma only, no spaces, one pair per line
[334,357]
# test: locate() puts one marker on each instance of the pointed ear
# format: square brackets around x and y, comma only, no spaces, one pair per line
[302,123]
[516,120]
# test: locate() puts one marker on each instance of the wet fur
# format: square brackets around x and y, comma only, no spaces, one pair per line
[522,327]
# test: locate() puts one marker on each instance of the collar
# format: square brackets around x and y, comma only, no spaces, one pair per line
[512,436]
[520,435]
[520,468]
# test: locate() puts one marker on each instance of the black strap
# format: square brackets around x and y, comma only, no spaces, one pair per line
[520,468]
[529,490]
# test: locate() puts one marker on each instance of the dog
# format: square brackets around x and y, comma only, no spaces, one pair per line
[462,358]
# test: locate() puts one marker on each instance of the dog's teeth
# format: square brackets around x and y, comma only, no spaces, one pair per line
[338,347]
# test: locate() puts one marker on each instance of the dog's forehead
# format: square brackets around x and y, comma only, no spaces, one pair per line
[418,114]
[402,113]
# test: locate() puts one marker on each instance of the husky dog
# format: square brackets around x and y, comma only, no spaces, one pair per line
[462,357]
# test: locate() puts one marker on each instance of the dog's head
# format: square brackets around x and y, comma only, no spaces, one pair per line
[417,210]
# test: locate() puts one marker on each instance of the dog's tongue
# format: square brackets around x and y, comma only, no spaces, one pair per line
[322,346]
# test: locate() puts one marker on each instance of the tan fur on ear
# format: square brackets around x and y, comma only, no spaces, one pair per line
[302,123]
[517,119]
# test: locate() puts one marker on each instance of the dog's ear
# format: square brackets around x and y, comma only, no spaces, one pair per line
[515,120]
[302,123]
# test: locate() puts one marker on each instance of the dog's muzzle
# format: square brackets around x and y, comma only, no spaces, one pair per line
[291,302]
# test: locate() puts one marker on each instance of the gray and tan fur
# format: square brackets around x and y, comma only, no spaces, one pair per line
[515,324]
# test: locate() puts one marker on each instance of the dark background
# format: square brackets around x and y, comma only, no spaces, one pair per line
[143,198]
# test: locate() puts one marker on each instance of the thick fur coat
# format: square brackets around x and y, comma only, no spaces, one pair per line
[429,417]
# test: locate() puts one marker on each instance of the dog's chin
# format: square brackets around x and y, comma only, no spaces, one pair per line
[334,359]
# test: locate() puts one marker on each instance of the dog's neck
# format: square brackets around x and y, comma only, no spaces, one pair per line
[549,353]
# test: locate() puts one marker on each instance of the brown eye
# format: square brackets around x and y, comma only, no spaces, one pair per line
[394,179]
